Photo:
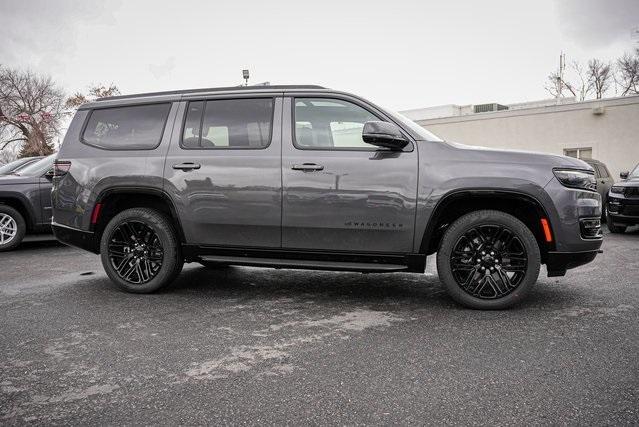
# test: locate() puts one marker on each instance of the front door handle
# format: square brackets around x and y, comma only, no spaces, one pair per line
[187,166]
[307,167]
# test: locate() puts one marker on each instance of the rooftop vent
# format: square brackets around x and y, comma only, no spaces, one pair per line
[485,108]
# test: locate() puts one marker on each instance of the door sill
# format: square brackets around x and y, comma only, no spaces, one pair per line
[305,264]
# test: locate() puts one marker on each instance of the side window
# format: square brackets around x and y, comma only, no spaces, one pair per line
[330,124]
[603,171]
[228,123]
[137,127]
[597,170]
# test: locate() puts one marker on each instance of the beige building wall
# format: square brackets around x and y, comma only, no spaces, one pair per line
[610,127]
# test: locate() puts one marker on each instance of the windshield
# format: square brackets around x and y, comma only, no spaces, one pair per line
[420,132]
[10,167]
[38,168]
[634,173]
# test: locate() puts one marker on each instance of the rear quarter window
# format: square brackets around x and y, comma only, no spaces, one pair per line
[136,127]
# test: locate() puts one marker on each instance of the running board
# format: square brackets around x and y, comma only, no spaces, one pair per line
[305,264]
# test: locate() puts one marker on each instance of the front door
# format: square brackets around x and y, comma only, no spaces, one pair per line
[339,193]
[223,171]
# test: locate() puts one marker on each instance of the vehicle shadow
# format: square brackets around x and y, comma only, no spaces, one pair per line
[39,244]
[385,290]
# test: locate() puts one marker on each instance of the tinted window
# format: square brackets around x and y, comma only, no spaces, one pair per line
[127,128]
[38,168]
[330,123]
[15,165]
[228,123]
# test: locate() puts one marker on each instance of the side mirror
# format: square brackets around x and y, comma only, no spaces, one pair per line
[384,134]
[624,175]
[49,175]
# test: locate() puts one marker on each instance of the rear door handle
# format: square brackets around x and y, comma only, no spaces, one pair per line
[307,167]
[187,166]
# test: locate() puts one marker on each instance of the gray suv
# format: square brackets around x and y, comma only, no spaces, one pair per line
[307,177]
[25,202]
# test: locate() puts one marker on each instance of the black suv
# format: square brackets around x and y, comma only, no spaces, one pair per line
[623,202]
[308,177]
[25,202]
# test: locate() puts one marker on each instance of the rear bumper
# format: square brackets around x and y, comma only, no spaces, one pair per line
[74,237]
[558,262]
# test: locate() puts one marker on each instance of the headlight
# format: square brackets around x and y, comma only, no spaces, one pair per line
[576,179]
[616,189]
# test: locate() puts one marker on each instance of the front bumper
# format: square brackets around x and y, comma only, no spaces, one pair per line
[558,262]
[623,210]
[73,237]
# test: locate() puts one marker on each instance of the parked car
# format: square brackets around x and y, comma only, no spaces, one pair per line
[25,202]
[15,165]
[307,177]
[604,181]
[623,202]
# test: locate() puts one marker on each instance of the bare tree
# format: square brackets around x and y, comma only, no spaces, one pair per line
[31,111]
[599,76]
[94,92]
[627,77]
[576,84]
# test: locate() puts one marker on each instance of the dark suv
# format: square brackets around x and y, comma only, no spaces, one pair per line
[307,177]
[25,202]
[623,202]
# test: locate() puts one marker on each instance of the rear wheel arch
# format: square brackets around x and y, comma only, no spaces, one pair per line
[116,200]
[22,206]
[454,205]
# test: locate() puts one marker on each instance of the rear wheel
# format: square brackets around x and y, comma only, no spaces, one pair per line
[140,251]
[12,228]
[488,260]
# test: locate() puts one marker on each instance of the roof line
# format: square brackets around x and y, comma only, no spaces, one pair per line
[212,89]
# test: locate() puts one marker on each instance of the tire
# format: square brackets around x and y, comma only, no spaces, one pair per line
[12,228]
[214,265]
[515,252]
[611,225]
[140,250]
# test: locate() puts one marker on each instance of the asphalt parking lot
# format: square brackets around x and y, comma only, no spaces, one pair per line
[264,346]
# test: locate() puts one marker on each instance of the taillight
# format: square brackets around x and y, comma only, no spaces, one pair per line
[61,167]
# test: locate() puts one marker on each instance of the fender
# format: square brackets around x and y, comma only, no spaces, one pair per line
[457,194]
[24,202]
[146,191]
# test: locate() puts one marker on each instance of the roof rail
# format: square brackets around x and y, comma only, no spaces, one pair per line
[212,89]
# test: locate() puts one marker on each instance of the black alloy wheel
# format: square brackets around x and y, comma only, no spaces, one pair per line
[135,252]
[489,261]
[140,250]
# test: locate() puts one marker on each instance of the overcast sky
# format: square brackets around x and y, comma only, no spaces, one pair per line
[401,54]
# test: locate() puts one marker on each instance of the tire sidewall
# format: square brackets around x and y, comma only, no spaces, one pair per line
[458,228]
[171,262]
[21,228]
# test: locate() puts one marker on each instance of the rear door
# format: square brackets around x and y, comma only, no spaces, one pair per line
[339,193]
[223,170]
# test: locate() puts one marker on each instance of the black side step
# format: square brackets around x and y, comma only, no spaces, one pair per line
[305,264]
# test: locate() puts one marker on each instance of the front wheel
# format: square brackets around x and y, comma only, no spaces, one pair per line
[140,251]
[488,260]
